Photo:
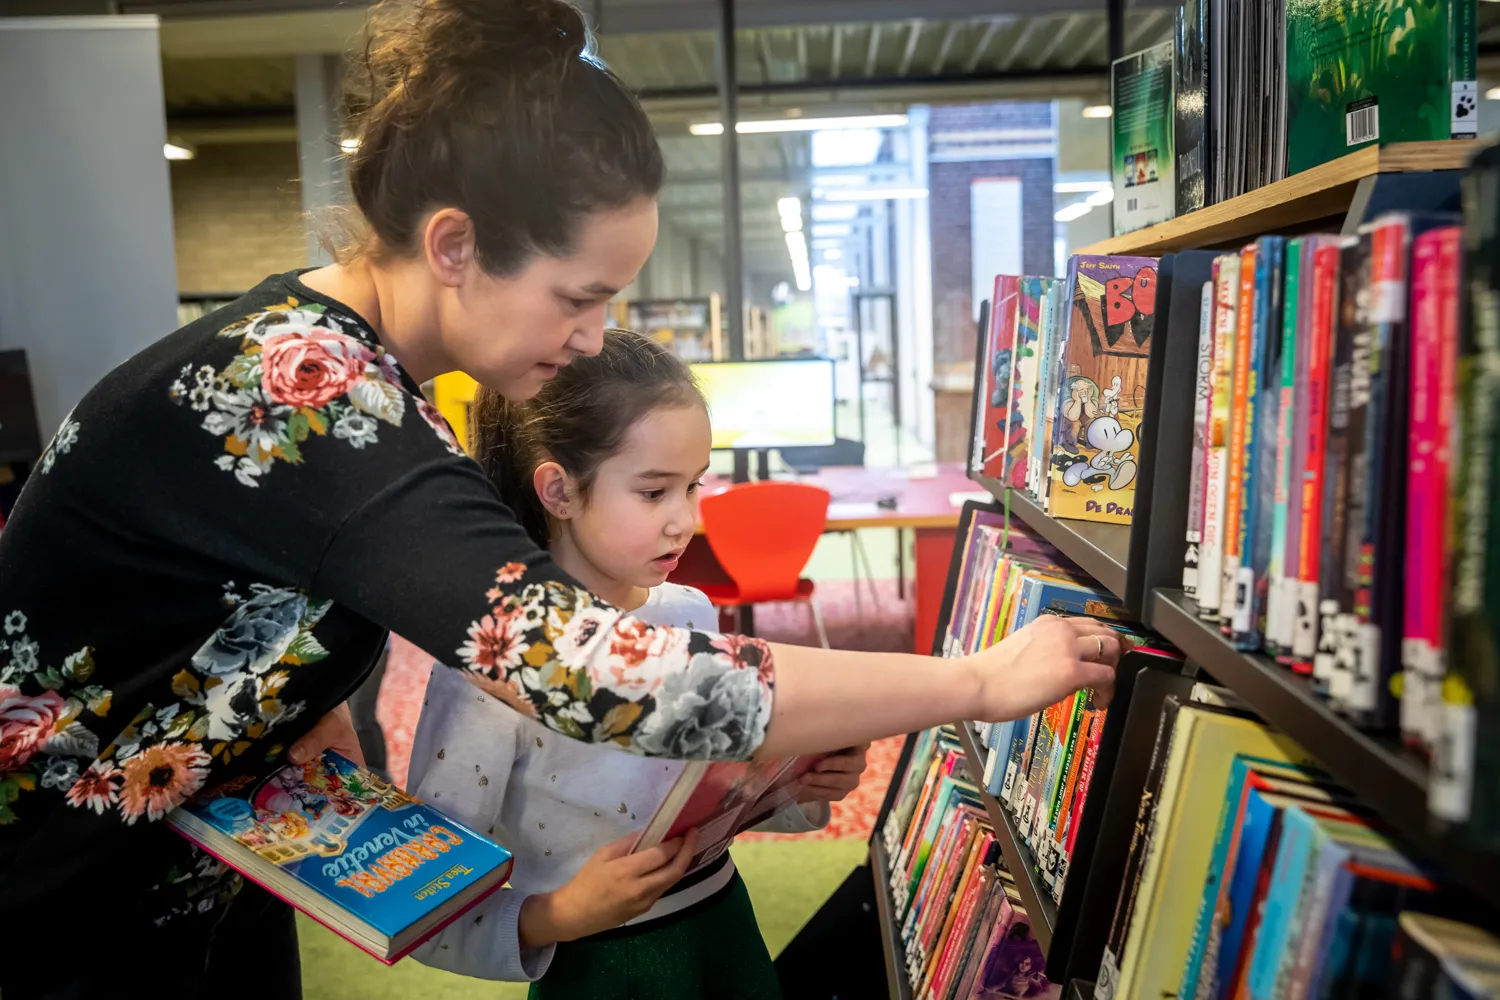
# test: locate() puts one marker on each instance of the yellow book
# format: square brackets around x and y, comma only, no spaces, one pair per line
[1204,745]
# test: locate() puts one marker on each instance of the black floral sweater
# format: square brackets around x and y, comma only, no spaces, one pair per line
[209,557]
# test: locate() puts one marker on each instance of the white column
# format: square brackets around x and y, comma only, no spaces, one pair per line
[88,271]
[320,124]
[924,408]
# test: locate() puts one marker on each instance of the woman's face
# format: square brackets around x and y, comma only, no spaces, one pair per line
[512,333]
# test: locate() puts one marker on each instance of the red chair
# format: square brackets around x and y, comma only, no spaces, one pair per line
[763,534]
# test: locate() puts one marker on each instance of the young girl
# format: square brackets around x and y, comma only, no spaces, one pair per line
[601,468]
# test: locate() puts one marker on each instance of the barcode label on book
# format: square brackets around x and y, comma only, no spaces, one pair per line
[1362,121]
[1453,764]
[1465,123]
[1131,204]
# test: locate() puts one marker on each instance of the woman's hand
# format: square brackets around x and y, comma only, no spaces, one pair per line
[334,731]
[612,887]
[834,777]
[1043,663]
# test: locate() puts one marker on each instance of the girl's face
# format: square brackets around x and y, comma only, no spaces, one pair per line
[512,333]
[642,509]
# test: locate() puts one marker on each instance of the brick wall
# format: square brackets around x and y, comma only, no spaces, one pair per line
[237,215]
[948,187]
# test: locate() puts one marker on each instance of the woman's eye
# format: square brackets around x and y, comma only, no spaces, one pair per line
[694,488]
[579,305]
[653,495]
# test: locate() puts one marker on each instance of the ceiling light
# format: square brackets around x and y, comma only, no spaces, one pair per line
[1098,111]
[796,247]
[832,253]
[870,194]
[1493,94]
[1101,197]
[800,124]
[1077,210]
[172,151]
[349,146]
[1080,187]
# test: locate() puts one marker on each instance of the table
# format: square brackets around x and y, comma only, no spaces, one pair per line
[922,502]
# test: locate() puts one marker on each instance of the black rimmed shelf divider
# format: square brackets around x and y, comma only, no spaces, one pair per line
[895,955]
[1019,859]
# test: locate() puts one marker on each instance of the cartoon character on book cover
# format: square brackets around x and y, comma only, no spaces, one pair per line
[1111,313]
[1013,968]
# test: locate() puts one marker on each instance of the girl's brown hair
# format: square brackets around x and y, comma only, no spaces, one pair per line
[579,419]
[497,108]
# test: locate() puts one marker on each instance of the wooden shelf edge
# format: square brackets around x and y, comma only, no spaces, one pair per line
[1099,549]
[895,956]
[1019,859]
[1313,194]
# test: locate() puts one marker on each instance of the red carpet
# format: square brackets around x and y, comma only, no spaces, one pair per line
[881,623]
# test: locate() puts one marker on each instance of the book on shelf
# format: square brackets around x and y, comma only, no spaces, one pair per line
[1144,163]
[1215,480]
[1202,407]
[376,866]
[992,430]
[1192,122]
[1365,71]
[1021,415]
[1099,387]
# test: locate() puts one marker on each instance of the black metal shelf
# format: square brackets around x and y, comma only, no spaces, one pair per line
[1379,770]
[1080,989]
[1019,859]
[1101,550]
[895,955]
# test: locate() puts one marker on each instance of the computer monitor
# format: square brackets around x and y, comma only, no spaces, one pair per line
[775,403]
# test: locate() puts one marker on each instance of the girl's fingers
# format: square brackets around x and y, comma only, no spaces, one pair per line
[652,859]
[663,879]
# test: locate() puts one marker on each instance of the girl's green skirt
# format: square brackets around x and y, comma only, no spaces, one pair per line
[710,950]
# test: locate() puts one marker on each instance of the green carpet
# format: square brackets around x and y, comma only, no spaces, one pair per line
[788,881]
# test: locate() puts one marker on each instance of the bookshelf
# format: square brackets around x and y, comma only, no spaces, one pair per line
[1316,195]
[895,955]
[1099,549]
[1019,860]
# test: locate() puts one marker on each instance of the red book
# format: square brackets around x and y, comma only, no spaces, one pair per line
[1238,430]
[1310,542]
[999,360]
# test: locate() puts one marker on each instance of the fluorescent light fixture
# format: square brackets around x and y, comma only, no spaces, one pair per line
[832,253]
[1077,210]
[1101,197]
[1493,94]
[1098,111]
[870,194]
[791,214]
[800,124]
[796,247]
[172,151]
[1081,187]
[846,147]
[350,146]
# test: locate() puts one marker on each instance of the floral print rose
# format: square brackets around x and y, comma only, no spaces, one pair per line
[25,724]
[297,376]
[713,711]
[257,635]
[311,367]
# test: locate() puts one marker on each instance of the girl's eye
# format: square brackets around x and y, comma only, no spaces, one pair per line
[653,495]
[693,488]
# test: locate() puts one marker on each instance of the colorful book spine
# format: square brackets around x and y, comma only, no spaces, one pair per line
[994,428]
[1314,463]
[1262,392]
[1435,280]
[1215,470]
[1284,513]
[1022,391]
[1239,431]
[1202,408]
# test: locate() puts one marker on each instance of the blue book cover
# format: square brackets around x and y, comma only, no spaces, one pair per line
[1255,835]
[1257,497]
[332,838]
[1302,837]
[1069,599]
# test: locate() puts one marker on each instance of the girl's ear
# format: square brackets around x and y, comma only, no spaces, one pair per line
[555,489]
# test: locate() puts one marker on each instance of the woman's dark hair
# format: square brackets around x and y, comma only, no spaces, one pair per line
[497,108]
[579,419]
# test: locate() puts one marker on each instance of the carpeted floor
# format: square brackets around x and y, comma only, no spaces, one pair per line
[789,877]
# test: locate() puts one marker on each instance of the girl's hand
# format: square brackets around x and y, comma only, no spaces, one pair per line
[612,887]
[835,776]
[334,731]
[1043,663]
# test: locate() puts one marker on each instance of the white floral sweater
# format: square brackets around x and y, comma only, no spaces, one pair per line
[209,557]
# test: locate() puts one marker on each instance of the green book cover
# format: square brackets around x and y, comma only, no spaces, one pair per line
[1141,88]
[1365,71]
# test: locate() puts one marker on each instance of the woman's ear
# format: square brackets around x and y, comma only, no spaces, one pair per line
[448,239]
[555,488]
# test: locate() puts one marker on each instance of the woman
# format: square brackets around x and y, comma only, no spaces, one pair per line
[223,531]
